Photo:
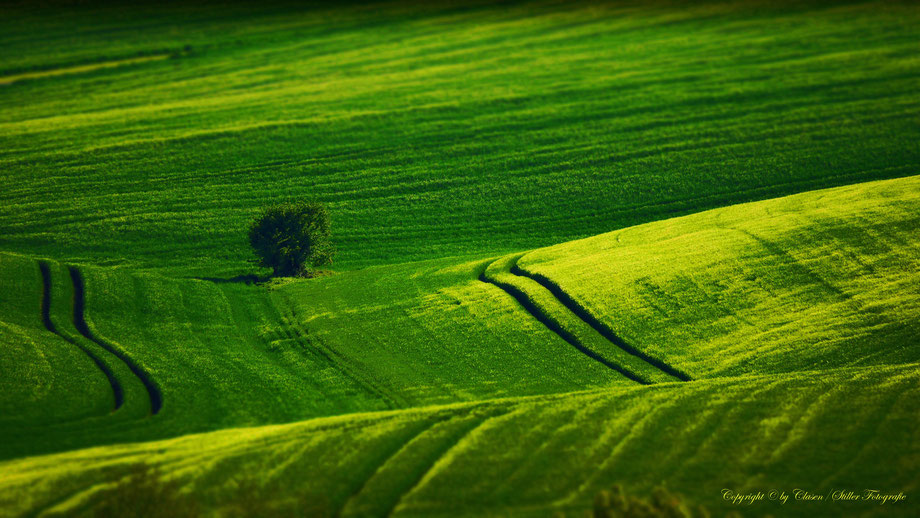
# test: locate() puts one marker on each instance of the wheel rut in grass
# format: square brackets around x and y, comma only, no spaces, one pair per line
[556,310]
[352,506]
[528,304]
[79,321]
[602,329]
[117,390]
[464,428]
[293,329]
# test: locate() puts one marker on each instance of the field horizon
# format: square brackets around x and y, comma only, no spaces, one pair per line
[434,132]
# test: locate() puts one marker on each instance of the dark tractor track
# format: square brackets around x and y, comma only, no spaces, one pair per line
[598,326]
[79,321]
[554,326]
[117,391]
[585,316]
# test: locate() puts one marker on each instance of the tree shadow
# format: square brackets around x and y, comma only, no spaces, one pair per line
[250,278]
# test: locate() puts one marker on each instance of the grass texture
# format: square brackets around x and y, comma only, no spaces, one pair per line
[635,243]
[149,138]
[527,456]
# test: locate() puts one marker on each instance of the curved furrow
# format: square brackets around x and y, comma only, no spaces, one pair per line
[45,509]
[566,300]
[353,506]
[522,298]
[117,390]
[559,317]
[467,427]
[79,321]
[295,330]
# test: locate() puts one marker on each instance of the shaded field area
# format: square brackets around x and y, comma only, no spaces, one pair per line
[148,138]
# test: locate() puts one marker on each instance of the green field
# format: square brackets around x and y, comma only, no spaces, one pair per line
[434,132]
[418,356]
[644,244]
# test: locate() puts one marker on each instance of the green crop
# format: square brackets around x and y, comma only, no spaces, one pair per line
[433,132]
[463,374]
[812,281]
[646,244]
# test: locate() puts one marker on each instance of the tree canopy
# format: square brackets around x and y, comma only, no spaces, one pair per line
[292,238]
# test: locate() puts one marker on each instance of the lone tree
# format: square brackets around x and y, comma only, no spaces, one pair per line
[292,238]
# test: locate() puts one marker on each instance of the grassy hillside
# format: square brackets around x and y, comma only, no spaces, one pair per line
[506,377]
[819,280]
[226,354]
[621,242]
[44,378]
[844,428]
[148,137]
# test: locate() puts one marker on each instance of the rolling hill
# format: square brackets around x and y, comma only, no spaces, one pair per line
[504,376]
[528,456]
[580,244]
